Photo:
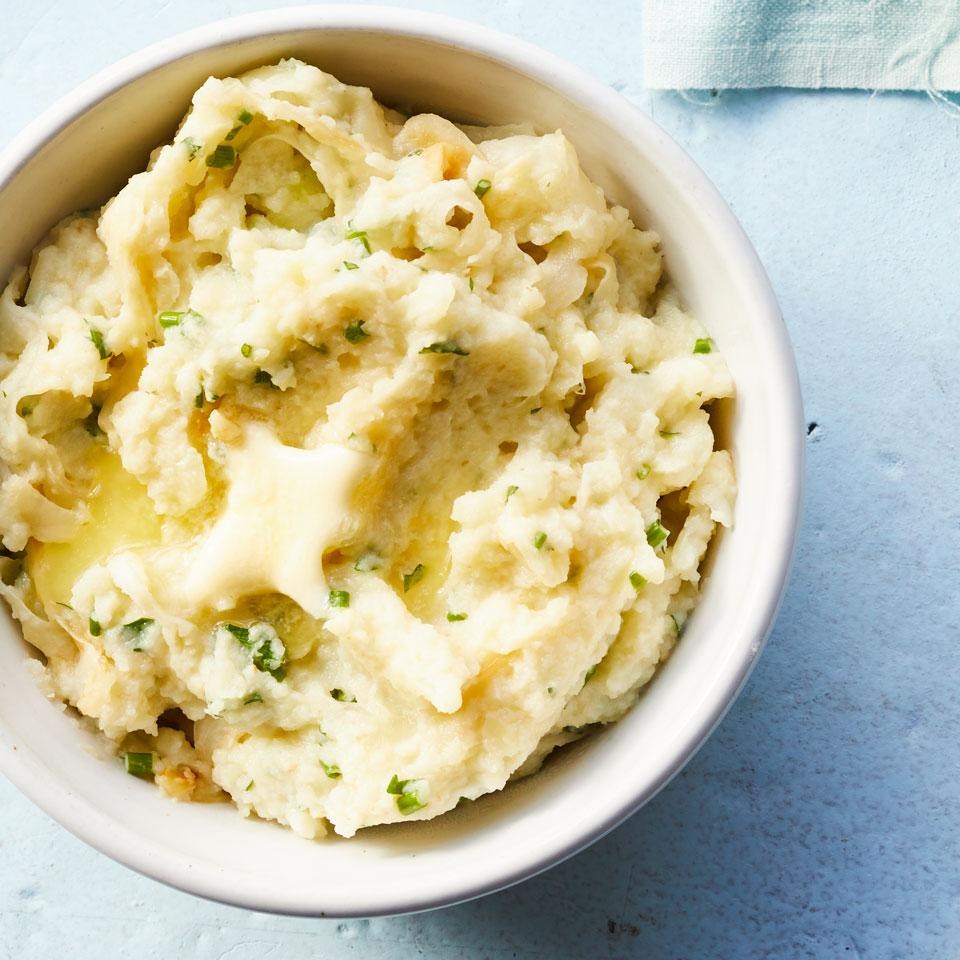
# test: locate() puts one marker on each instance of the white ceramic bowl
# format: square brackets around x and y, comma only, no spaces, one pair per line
[81,151]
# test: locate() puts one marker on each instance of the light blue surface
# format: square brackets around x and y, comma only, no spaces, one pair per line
[823,818]
[883,44]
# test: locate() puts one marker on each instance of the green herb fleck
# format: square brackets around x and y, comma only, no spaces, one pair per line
[354,331]
[656,534]
[550,691]
[91,422]
[249,786]
[511,490]
[199,399]
[96,338]
[170,318]
[411,579]
[350,265]
[676,624]
[703,345]
[482,187]
[342,697]
[644,471]
[339,598]
[408,797]
[223,157]
[539,539]
[666,434]
[94,627]
[588,676]
[138,764]
[268,652]
[360,235]
[133,631]
[245,117]
[193,148]
[446,346]
[331,770]
[254,697]
[455,617]
[637,580]
[368,560]
[246,349]
[470,284]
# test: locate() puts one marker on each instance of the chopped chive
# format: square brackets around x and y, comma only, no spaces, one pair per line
[446,346]
[331,770]
[173,318]
[360,235]
[482,187]
[703,345]
[676,624]
[133,631]
[350,265]
[455,617]
[223,156]
[91,423]
[342,697]
[138,764]
[242,634]
[669,433]
[368,560]
[245,117]
[354,331]
[339,598]
[588,676]
[656,534]
[199,399]
[470,283]
[249,786]
[268,652]
[94,627]
[550,691]
[408,803]
[96,338]
[246,349]
[511,490]
[408,799]
[644,471]
[411,579]
[193,148]
[254,697]
[539,539]
[637,580]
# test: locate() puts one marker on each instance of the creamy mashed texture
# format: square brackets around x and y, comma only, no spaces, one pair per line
[350,462]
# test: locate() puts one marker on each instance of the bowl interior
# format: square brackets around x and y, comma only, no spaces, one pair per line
[209,849]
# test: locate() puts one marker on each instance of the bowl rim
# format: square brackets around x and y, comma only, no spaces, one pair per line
[572,83]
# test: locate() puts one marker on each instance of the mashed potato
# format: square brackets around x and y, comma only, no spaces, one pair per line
[351,463]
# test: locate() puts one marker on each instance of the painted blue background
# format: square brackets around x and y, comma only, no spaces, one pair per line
[823,818]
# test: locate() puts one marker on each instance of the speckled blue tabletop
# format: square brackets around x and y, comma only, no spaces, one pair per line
[823,818]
